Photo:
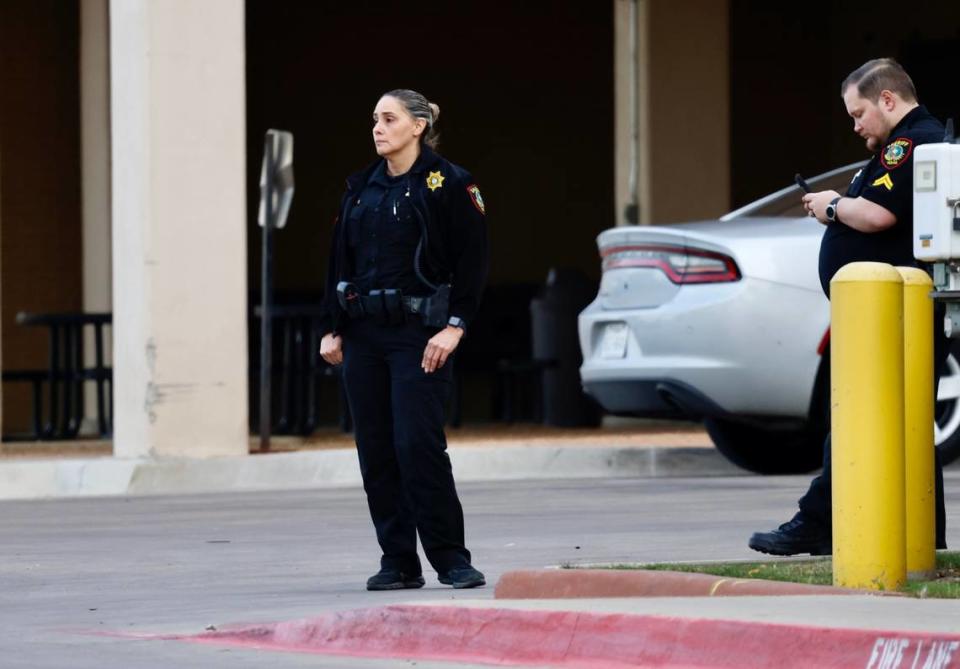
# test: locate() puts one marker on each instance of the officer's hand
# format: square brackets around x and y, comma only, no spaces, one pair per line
[330,348]
[816,203]
[439,348]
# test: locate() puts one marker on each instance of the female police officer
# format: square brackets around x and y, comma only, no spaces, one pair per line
[407,265]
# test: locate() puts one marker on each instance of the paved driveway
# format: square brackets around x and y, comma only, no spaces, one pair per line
[72,569]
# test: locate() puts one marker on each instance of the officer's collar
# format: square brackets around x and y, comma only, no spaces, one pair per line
[425,160]
[379,176]
[908,120]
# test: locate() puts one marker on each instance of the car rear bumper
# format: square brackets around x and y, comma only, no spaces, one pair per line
[666,398]
[731,349]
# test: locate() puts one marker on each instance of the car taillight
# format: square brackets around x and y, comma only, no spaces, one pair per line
[680,264]
[824,342]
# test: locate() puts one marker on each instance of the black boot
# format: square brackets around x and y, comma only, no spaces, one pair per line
[394,579]
[799,535]
[463,577]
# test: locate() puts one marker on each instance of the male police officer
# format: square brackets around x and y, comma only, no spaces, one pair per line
[872,222]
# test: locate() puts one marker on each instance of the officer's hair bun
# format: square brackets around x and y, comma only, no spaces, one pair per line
[419,107]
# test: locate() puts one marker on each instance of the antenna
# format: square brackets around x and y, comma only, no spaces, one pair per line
[948,135]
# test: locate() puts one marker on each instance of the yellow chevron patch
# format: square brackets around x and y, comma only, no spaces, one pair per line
[885,181]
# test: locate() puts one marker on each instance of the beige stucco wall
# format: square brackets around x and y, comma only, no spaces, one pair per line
[179,247]
[1,306]
[674,82]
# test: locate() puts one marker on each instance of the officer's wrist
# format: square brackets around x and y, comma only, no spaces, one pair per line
[832,213]
[458,323]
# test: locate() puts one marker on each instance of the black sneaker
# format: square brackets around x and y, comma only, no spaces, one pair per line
[463,577]
[394,579]
[794,537]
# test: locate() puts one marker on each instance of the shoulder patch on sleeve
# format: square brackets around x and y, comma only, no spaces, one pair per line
[896,152]
[474,191]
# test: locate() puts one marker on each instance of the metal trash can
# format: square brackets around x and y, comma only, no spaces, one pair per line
[556,348]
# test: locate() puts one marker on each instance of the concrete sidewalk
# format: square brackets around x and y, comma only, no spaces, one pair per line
[478,455]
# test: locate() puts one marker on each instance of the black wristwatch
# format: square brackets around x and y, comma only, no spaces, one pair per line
[832,210]
[458,322]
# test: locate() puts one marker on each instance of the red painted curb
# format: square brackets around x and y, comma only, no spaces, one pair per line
[589,640]
[576,583]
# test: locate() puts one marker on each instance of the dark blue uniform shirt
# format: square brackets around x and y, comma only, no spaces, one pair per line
[382,236]
[444,201]
[886,180]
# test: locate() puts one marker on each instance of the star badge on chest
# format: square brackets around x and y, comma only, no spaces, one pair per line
[435,180]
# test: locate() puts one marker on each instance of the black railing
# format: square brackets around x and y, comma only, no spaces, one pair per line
[302,384]
[57,391]
[496,355]
[307,393]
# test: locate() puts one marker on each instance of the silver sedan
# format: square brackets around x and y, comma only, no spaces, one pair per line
[725,321]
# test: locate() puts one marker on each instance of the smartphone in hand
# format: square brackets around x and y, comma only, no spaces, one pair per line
[804,186]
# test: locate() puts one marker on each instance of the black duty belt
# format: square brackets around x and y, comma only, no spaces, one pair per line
[391,306]
[413,305]
[373,303]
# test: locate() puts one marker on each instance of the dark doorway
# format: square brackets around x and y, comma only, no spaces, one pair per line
[526,97]
[786,67]
[40,263]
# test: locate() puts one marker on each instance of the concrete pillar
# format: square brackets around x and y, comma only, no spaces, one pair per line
[1,273]
[179,247]
[95,176]
[631,63]
[689,109]
[672,116]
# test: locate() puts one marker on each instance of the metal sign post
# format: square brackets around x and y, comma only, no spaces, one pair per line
[276,194]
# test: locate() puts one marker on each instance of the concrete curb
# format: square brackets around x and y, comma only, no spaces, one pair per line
[592,583]
[52,478]
[584,639]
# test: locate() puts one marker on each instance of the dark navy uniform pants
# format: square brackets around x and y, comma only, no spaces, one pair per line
[398,415]
[816,504]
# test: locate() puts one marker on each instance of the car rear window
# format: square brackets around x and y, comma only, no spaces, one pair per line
[789,205]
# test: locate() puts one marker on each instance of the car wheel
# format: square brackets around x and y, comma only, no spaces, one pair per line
[947,425]
[768,450]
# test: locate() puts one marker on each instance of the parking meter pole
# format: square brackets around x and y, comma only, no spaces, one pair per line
[918,393]
[266,299]
[866,337]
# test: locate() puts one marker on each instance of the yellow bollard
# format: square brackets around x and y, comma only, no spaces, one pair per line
[866,340]
[918,421]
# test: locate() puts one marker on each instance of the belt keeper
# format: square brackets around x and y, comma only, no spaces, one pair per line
[373,305]
[393,306]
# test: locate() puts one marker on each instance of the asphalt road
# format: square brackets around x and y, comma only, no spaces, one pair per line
[77,573]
